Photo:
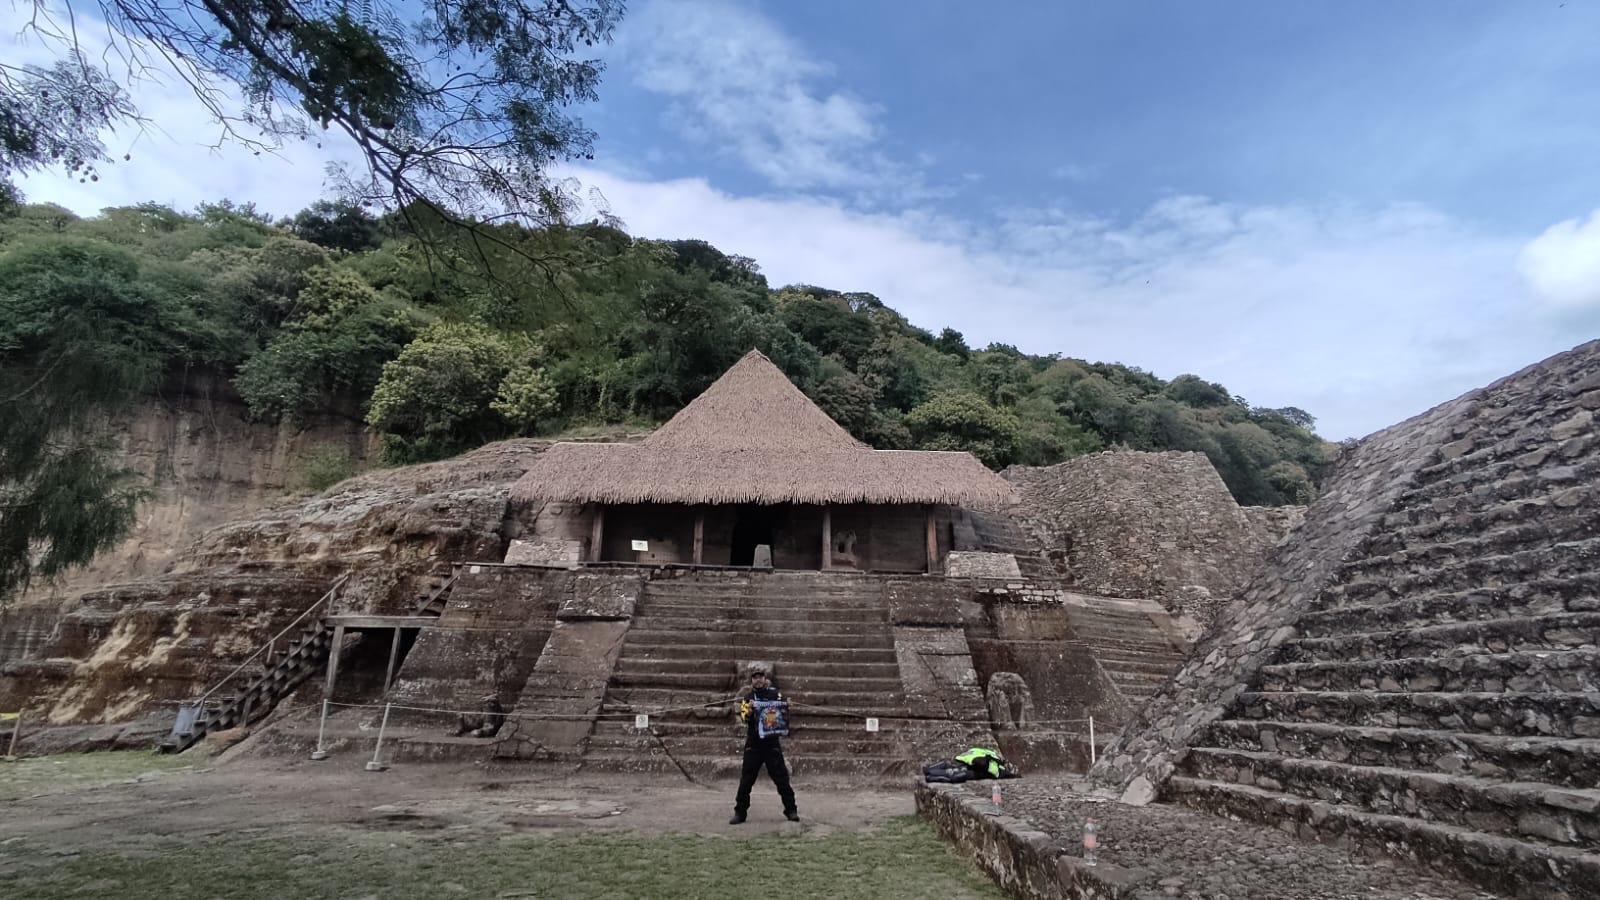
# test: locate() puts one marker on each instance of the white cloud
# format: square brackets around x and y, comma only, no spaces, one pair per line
[1362,317]
[738,85]
[1563,265]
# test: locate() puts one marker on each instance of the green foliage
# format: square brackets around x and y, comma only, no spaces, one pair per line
[964,421]
[325,467]
[458,386]
[539,330]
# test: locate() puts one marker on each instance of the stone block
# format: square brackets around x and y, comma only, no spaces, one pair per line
[544,552]
[601,596]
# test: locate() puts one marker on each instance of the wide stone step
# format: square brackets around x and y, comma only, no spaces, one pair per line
[754,642]
[1477,566]
[725,653]
[1130,644]
[797,611]
[645,666]
[1142,665]
[1371,607]
[642,699]
[730,681]
[1562,762]
[1535,714]
[1490,476]
[1569,631]
[723,768]
[1505,865]
[1527,811]
[1117,656]
[1441,518]
[757,624]
[1569,671]
[845,602]
[730,742]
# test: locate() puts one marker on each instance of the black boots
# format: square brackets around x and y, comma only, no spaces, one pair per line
[791,815]
[738,819]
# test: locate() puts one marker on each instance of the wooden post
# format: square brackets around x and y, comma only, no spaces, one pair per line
[933,543]
[827,538]
[597,532]
[16,732]
[333,660]
[394,652]
[699,535]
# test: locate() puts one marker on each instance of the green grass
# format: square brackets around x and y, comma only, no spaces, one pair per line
[899,860]
[32,776]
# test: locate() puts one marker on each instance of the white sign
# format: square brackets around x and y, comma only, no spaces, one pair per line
[641,545]
[641,721]
[872,724]
[475,570]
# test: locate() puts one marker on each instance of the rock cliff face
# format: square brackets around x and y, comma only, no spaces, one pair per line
[225,557]
[206,463]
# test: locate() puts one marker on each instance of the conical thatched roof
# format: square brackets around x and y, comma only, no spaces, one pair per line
[753,437]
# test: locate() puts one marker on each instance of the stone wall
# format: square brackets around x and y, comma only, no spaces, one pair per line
[1158,526]
[1362,489]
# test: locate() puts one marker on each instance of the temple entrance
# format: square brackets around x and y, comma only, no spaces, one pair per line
[752,525]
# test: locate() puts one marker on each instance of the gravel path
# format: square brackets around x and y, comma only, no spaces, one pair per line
[1194,855]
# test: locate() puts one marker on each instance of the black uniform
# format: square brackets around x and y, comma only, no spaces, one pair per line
[758,752]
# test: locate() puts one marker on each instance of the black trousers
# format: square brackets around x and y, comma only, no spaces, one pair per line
[771,757]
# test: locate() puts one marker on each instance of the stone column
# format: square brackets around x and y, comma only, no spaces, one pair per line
[596,532]
[933,542]
[699,535]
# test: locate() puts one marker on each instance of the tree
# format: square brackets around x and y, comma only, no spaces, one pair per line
[455,387]
[83,328]
[456,104]
[337,225]
[963,421]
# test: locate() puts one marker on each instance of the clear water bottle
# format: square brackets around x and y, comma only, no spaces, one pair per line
[994,795]
[1091,842]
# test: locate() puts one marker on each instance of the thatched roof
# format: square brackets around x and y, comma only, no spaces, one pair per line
[753,437]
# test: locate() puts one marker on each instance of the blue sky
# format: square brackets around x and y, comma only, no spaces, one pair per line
[1361,209]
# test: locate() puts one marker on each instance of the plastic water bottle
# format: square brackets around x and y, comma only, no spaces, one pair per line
[1091,842]
[994,796]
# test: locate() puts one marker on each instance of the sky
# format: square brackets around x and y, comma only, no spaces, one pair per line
[1359,209]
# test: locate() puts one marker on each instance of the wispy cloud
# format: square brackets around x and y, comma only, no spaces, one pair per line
[740,86]
[1362,316]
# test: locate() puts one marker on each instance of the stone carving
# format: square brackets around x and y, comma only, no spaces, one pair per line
[763,557]
[487,723]
[1010,701]
[844,548]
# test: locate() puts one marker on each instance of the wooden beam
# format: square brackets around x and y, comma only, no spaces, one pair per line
[699,535]
[827,538]
[394,651]
[933,543]
[359,621]
[597,532]
[333,661]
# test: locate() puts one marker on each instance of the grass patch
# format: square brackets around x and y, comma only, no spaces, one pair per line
[901,860]
[36,775]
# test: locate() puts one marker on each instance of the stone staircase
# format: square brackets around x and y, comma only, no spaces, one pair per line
[1135,652]
[997,531]
[1441,700]
[826,634]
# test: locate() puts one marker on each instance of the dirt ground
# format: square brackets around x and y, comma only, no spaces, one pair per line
[97,824]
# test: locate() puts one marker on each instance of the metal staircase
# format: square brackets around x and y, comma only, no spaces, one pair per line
[241,697]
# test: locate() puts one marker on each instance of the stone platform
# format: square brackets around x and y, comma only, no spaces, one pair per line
[1032,846]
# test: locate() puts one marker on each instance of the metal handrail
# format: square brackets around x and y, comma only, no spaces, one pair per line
[273,641]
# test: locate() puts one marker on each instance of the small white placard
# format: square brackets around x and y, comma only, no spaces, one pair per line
[872,724]
[641,545]
[641,721]
[475,569]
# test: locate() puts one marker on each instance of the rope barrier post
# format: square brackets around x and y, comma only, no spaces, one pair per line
[322,728]
[1093,754]
[376,766]
[16,732]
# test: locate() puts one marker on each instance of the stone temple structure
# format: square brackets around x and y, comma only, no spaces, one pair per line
[1417,671]
[914,603]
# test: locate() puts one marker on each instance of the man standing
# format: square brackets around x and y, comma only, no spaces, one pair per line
[761,751]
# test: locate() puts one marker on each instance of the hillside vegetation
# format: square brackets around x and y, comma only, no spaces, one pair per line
[442,339]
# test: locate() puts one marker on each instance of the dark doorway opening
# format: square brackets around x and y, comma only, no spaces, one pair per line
[752,525]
